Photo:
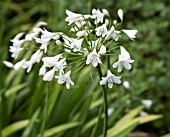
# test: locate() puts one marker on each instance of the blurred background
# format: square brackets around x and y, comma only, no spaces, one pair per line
[22,96]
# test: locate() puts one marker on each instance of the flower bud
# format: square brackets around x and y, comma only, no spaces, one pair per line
[105,12]
[58,42]
[115,22]
[120,14]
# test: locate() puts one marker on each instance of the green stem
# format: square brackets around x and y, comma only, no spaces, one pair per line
[45,110]
[96,126]
[105,104]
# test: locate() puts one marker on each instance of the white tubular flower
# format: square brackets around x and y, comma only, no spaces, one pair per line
[15,51]
[120,14]
[30,36]
[47,35]
[93,58]
[124,60]
[72,17]
[43,42]
[110,78]
[8,64]
[113,34]
[65,78]
[36,57]
[17,37]
[102,30]
[60,65]
[76,44]
[130,33]
[51,61]
[102,50]
[42,70]
[28,65]
[97,15]
[49,75]
[147,103]
[82,33]
[19,64]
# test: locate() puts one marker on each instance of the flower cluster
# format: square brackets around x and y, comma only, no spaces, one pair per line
[95,37]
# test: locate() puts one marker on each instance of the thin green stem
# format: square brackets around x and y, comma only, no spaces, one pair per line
[105,104]
[96,126]
[45,111]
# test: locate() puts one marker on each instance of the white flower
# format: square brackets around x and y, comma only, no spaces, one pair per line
[147,103]
[47,35]
[102,50]
[65,78]
[126,84]
[102,30]
[15,51]
[42,70]
[49,75]
[120,14]
[113,34]
[36,57]
[72,17]
[143,113]
[30,36]
[8,64]
[82,33]
[110,111]
[76,44]
[17,37]
[130,33]
[43,42]
[19,64]
[124,60]
[51,61]
[27,65]
[97,15]
[60,65]
[110,78]
[93,58]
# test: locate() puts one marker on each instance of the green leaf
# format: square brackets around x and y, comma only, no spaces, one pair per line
[14,89]
[60,128]
[145,119]
[9,130]
[167,135]
[33,120]
[127,118]
[123,130]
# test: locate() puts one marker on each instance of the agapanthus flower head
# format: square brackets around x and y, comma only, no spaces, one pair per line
[94,40]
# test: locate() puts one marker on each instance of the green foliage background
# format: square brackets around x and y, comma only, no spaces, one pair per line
[23,96]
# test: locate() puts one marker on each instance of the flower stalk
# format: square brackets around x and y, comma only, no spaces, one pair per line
[104,93]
